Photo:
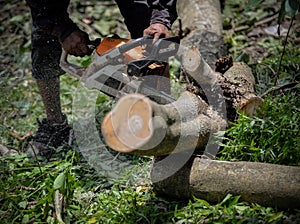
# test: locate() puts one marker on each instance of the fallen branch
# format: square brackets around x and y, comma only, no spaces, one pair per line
[211,180]
[58,204]
[139,125]
[281,87]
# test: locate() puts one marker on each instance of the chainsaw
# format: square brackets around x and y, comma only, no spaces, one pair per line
[121,66]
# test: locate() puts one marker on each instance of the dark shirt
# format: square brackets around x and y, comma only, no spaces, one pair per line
[53,18]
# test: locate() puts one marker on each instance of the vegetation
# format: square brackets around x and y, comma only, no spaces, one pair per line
[28,187]
[271,136]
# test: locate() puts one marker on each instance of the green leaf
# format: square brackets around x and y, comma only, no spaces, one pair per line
[241,208]
[253,3]
[292,7]
[235,200]
[17,18]
[205,203]
[23,204]
[276,216]
[60,180]
[228,196]
[25,218]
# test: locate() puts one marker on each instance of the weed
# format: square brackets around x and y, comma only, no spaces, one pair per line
[272,136]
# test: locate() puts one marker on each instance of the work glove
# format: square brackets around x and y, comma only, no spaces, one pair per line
[77,44]
[157,30]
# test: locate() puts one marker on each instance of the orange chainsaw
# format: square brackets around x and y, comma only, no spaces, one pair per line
[121,66]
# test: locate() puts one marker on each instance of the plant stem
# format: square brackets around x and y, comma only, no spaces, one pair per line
[283,51]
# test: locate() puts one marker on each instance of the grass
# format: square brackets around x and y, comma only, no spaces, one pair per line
[272,136]
[27,190]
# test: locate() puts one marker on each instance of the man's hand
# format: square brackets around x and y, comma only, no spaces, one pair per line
[77,44]
[157,30]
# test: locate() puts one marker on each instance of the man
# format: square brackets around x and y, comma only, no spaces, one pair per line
[53,30]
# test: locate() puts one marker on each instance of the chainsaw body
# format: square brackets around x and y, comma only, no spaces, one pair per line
[121,66]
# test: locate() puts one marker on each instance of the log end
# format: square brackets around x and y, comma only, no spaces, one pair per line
[191,60]
[250,106]
[128,126]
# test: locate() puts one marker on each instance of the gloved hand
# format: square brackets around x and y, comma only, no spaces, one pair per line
[77,44]
[157,30]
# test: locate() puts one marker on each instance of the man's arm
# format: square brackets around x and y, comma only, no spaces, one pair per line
[164,13]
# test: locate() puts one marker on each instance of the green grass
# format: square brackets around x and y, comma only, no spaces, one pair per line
[271,136]
[27,190]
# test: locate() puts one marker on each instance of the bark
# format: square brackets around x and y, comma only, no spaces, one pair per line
[211,180]
[238,89]
[236,85]
[202,26]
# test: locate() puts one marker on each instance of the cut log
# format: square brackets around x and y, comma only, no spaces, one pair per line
[238,86]
[211,180]
[139,125]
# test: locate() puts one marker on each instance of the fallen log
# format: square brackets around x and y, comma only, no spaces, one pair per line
[211,180]
[138,125]
[236,85]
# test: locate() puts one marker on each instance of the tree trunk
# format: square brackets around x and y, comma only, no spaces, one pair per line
[202,26]
[211,180]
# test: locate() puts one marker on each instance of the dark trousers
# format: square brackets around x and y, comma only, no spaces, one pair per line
[137,15]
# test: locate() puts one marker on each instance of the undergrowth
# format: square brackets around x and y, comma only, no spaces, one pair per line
[27,196]
[271,136]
